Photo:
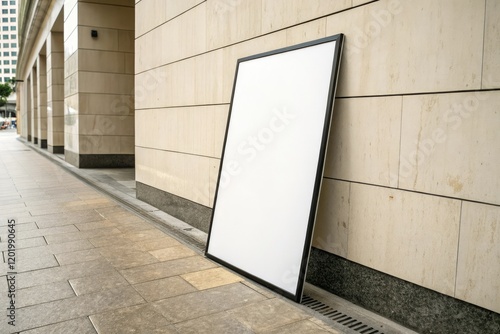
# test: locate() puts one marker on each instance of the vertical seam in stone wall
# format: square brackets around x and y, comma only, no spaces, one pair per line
[458,248]
[484,39]
[400,138]
[348,222]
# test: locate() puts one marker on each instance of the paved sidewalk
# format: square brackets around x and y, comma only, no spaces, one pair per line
[86,264]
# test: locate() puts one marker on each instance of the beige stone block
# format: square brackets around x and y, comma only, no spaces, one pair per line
[105,16]
[234,52]
[364,140]
[57,92]
[478,256]
[106,125]
[57,76]
[180,174]
[126,40]
[332,220]
[193,81]
[190,130]
[211,278]
[105,144]
[57,108]
[356,3]
[71,84]
[101,61]
[491,65]
[150,14]
[172,253]
[306,32]
[378,58]
[128,3]
[69,7]
[107,83]
[182,37]
[408,235]
[279,14]
[214,165]
[106,104]
[71,65]
[55,43]
[450,145]
[130,63]
[70,21]
[244,18]
[58,138]
[107,40]
[71,142]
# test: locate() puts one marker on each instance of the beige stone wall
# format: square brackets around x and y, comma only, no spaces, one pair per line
[99,77]
[55,90]
[411,179]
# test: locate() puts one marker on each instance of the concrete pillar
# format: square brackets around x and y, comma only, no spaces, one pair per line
[55,92]
[34,105]
[42,100]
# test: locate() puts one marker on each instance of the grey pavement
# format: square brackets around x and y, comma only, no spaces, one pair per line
[88,261]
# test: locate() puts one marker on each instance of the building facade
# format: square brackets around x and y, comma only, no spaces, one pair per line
[409,216]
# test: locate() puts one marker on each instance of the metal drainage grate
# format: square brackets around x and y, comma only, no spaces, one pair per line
[339,317]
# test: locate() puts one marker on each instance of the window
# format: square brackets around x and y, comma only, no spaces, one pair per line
[0,79]
[12,2]
[13,45]
[12,28]
[6,79]
[6,62]
[12,11]
[5,36]
[12,19]
[4,28]
[14,53]
[14,70]
[5,11]
[13,36]
[6,54]
[4,19]
[0,70]
[5,45]
[7,70]
[4,3]
[14,62]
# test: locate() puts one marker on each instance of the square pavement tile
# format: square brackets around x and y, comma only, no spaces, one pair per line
[135,319]
[43,294]
[211,278]
[80,326]
[201,303]
[151,245]
[100,282]
[172,253]
[164,288]
[214,323]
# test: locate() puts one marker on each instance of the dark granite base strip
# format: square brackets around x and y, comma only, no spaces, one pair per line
[192,213]
[29,137]
[99,160]
[55,149]
[43,143]
[35,140]
[413,306]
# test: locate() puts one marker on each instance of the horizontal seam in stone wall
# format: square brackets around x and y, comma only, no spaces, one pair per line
[178,152]
[412,191]
[186,106]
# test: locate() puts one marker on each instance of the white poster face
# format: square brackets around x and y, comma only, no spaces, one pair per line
[272,163]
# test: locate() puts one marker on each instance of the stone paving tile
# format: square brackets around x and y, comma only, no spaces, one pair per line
[173,253]
[76,307]
[201,303]
[80,256]
[151,245]
[164,288]
[95,225]
[128,259]
[43,293]
[46,232]
[135,319]
[25,243]
[214,323]
[19,228]
[268,314]
[79,235]
[211,278]
[108,280]
[301,327]
[52,220]
[62,273]
[166,269]
[113,240]
[129,227]
[77,326]
[144,235]
[29,264]
[51,249]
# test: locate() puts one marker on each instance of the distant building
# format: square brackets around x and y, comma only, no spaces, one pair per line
[409,217]
[8,40]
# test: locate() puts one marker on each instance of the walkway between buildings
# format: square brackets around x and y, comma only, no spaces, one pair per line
[80,261]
